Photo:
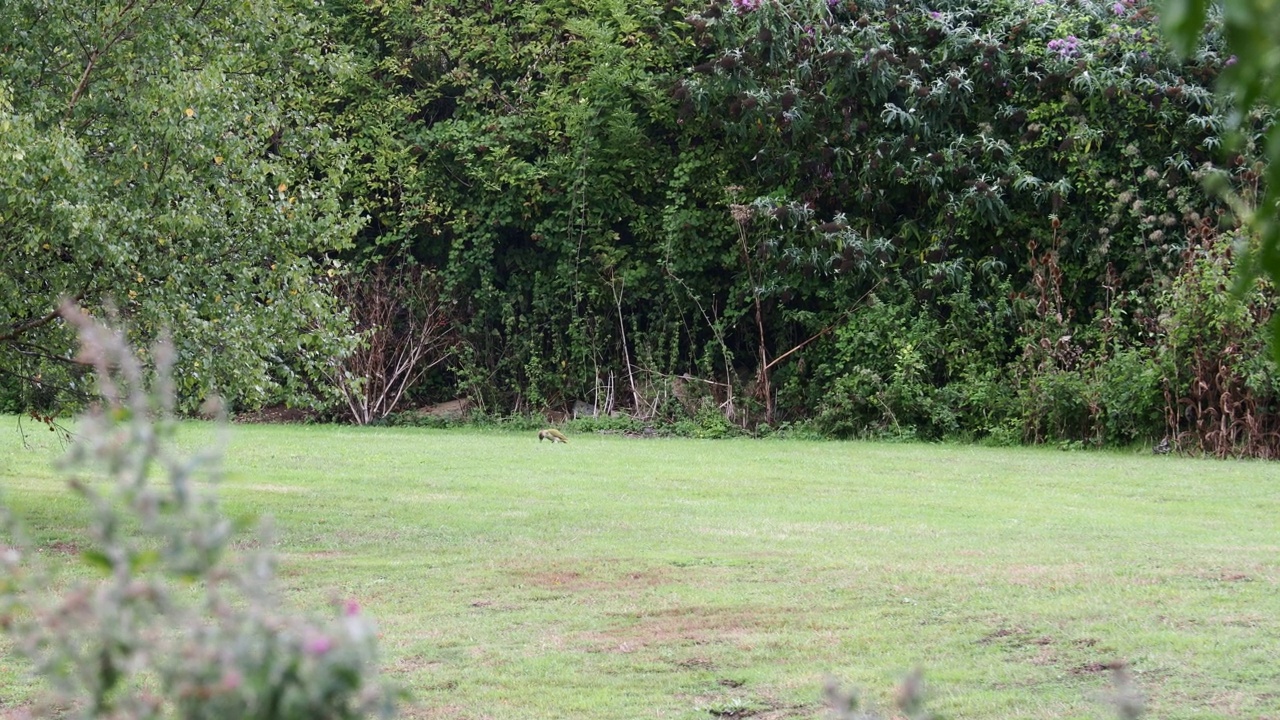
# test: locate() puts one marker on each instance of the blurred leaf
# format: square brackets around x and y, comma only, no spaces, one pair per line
[97,559]
[144,560]
[1183,22]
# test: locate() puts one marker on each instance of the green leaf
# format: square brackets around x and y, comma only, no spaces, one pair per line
[1183,22]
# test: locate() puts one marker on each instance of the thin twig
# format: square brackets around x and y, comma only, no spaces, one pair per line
[828,328]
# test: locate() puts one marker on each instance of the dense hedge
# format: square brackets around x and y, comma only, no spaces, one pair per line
[996,220]
[947,219]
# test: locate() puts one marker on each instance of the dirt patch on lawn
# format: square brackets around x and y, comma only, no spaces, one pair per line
[595,578]
[417,663]
[1091,668]
[1082,656]
[61,547]
[759,704]
[697,625]
[1019,637]
[1225,576]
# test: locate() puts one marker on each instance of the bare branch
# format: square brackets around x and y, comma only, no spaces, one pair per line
[826,329]
[21,328]
[405,331]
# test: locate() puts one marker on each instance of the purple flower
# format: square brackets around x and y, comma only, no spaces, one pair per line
[232,679]
[1119,9]
[1232,60]
[1067,47]
[745,6]
[832,3]
[351,608]
[935,15]
[317,644]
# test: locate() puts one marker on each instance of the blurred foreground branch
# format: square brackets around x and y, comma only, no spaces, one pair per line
[167,626]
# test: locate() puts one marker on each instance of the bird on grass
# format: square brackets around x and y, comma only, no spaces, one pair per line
[553,435]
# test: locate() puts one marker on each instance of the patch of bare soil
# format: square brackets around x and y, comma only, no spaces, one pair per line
[1227,577]
[1045,650]
[1090,668]
[608,576]
[758,707]
[771,713]
[61,547]
[410,664]
[1005,635]
[791,712]
[699,625]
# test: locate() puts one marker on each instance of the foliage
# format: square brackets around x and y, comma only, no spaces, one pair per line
[1221,384]
[531,118]
[883,218]
[1198,373]
[1250,29]
[639,199]
[1016,150]
[940,142]
[167,158]
[136,641]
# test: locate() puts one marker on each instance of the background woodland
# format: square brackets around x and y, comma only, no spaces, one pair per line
[1000,221]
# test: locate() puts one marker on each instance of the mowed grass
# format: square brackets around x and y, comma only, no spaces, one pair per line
[620,578]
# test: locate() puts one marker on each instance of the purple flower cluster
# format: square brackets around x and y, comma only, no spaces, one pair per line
[745,6]
[1067,47]
[317,644]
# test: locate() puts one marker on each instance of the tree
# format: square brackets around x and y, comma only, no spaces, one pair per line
[166,157]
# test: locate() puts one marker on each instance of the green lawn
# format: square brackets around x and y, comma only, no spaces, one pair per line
[619,578]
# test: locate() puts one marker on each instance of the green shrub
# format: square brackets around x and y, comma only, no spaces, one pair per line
[1130,397]
[1219,377]
[708,422]
[1056,405]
